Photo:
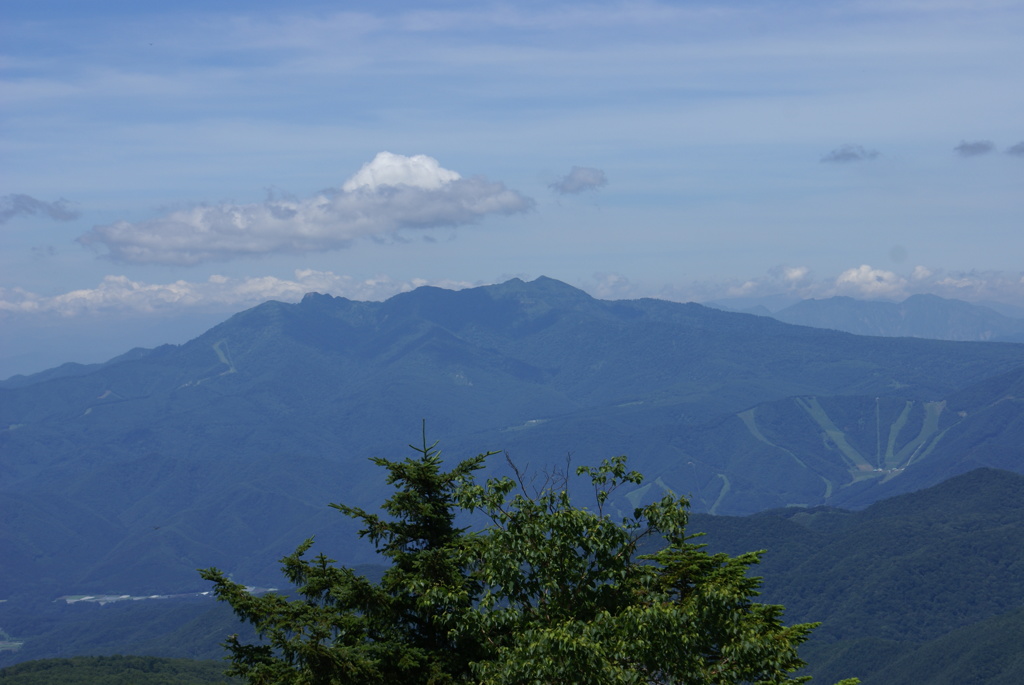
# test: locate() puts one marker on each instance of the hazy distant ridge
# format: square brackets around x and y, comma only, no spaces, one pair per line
[919,316]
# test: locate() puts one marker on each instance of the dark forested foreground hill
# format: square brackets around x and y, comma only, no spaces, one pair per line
[125,477]
[115,670]
[926,587]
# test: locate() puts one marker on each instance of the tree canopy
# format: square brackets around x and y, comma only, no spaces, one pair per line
[546,591]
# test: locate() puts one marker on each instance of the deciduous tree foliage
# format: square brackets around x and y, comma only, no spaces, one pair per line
[546,592]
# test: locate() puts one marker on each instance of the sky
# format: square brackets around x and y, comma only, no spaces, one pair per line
[165,165]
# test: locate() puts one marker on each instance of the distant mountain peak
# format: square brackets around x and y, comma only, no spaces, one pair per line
[315,297]
[928,297]
[549,289]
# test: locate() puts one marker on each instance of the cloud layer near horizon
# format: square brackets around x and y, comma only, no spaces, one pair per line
[122,295]
[386,196]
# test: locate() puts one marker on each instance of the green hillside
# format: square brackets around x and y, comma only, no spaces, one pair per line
[898,581]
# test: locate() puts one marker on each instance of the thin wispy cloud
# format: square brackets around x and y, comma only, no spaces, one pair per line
[974,148]
[386,196]
[26,205]
[1016,150]
[578,180]
[849,153]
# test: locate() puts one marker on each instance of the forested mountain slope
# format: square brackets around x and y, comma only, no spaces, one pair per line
[923,587]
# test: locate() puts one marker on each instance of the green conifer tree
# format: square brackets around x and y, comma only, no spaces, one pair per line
[545,592]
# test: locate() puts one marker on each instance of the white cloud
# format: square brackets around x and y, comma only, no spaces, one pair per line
[390,194]
[865,281]
[580,179]
[743,289]
[795,274]
[388,169]
[956,282]
[121,294]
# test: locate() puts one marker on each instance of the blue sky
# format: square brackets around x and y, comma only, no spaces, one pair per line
[167,165]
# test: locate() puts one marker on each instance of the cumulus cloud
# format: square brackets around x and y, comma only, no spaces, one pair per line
[121,294]
[849,153]
[795,274]
[1016,150]
[865,281]
[578,180]
[974,148]
[390,194]
[18,205]
[921,273]
[388,169]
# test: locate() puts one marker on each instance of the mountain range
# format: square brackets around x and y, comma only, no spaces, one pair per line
[125,477]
